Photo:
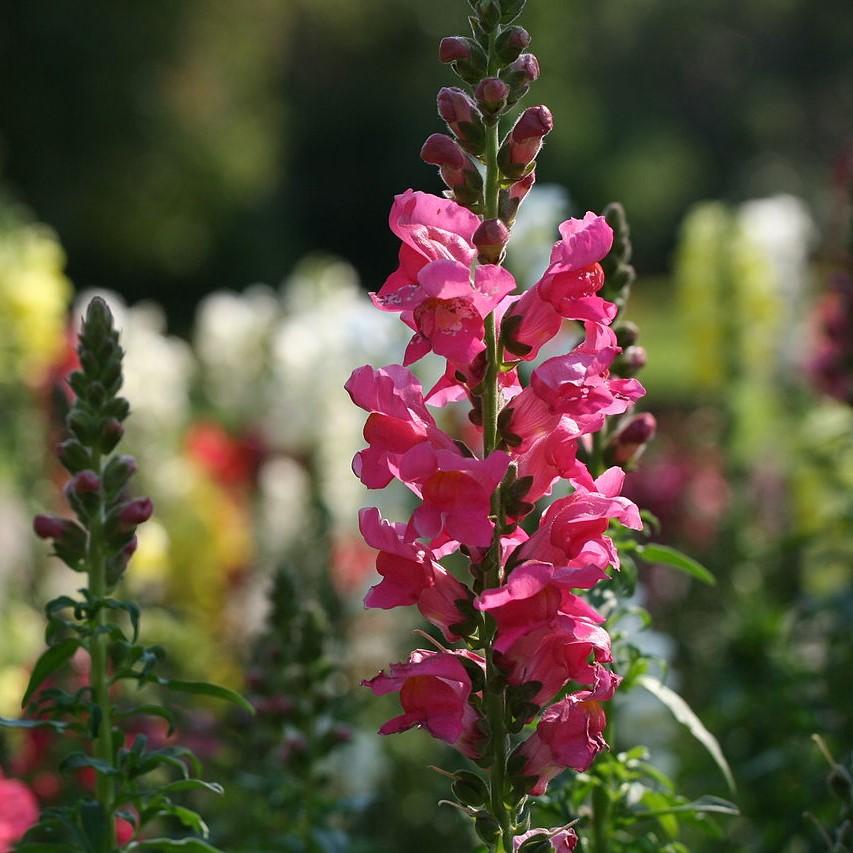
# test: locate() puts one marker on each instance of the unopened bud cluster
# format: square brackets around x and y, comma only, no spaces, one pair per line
[97,489]
[496,70]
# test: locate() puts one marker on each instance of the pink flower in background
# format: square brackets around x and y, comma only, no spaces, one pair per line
[18,812]
[456,493]
[570,734]
[398,421]
[411,575]
[434,690]
[563,839]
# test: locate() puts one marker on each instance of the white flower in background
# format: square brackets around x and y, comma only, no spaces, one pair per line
[285,494]
[781,232]
[232,333]
[157,369]
[328,327]
[535,232]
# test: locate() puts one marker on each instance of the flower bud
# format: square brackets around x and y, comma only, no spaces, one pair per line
[73,456]
[111,434]
[523,143]
[634,360]
[456,169]
[489,13]
[491,239]
[454,48]
[51,526]
[519,75]
[537,844]
[511,199]
[135,512]
[487,827]
[627,334]
[628,443]
[69,539]
[491,94]
[118,471]
[463,118]
[84,483]
[469,788]
[511,43]
[468,58]
[511,9]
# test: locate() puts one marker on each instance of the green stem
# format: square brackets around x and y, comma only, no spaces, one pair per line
[103,747]
[495,698]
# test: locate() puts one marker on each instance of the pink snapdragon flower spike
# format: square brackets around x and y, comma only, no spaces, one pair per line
[18,812]
[411,575]
[456,493]
[569,735]
[563,839]
[434,690]
[399,420]
[523,610]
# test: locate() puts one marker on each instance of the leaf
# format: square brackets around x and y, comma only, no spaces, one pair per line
[191,845]
[56,725]
[50,661]
[204,688]
[703,805]
[150,711]
[192,785]
[79,759]
[686,716]
[666,556]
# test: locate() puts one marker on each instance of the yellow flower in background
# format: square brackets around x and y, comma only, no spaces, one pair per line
[699,272]
[34,299]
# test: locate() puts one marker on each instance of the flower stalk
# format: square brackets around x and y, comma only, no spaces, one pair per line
[524,634]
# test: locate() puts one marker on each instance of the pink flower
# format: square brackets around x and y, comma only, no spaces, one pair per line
[563,839]
[18,812]
[456,492]
[577,385]
[434,691]
[570,734]
[544,633]
[552,456]
[447,309]
[583,242]
[398,421]
[431,229]
[572,531]
[411,575]
[566,290]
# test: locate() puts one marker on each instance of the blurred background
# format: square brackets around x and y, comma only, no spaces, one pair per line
[225,171]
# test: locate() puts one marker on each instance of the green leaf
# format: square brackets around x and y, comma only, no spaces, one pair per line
[192,785]
[79,759]
[204,688]
[50,661]
[666,556]
[56,725]
[190,845]
[686,716]
[702,805]
[150,711]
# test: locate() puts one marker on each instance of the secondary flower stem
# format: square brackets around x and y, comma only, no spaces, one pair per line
[495,697]
[98,651]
